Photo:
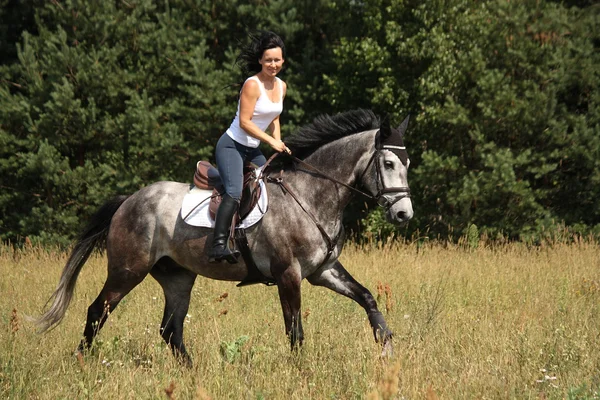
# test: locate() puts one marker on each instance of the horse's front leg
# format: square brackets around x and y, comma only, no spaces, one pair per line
[288,284]
[336,278]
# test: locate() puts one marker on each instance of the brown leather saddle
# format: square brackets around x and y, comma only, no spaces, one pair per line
[207,177]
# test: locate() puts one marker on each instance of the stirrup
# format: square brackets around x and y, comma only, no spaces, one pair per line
[231,257]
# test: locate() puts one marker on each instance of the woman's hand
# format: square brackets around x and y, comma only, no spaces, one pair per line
[279,146]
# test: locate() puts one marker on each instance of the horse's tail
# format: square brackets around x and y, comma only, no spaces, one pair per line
[94,236]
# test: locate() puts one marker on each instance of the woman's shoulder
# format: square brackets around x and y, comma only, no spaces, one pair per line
[252,81]
[251,84]
[283,84]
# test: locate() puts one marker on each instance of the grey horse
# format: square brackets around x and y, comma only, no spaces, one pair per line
[301,235]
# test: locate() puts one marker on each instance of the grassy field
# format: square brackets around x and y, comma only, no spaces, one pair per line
[486,323]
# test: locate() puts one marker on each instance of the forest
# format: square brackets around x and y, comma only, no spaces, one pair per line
[102,98]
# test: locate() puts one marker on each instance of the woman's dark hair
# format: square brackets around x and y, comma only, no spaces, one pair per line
[260,41]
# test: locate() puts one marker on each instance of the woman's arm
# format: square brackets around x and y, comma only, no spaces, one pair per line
[275,129]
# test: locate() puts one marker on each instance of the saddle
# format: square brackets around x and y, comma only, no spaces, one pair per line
[207,177]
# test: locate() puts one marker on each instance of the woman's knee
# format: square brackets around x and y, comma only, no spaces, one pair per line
[234,194]
[233,180]
[258,159]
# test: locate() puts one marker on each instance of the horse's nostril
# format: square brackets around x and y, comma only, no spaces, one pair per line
[401,214]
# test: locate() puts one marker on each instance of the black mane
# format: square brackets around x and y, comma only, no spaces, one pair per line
[326,128]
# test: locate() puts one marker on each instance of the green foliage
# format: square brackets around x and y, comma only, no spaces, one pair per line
[232,351]
[102,98]
[375,226]
[505,105]
[472,237]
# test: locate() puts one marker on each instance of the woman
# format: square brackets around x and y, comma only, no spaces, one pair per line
[259,107]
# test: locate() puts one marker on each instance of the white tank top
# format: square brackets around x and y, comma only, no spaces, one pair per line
[265,111]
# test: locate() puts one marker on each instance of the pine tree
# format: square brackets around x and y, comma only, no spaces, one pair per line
[105,99]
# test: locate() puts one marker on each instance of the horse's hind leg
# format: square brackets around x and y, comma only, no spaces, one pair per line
[119,283]
[340,281]
[177,284]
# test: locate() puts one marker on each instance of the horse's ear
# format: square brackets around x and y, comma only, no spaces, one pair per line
[403,125]
[385,128]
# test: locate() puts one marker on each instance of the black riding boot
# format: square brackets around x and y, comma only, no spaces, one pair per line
[220,249]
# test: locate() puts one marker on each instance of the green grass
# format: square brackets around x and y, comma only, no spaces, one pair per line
[488,322]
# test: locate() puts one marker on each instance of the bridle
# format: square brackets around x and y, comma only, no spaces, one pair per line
[379,196]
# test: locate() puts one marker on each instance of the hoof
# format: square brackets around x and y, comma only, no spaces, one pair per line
[78,354]
[185,361]
[387,350]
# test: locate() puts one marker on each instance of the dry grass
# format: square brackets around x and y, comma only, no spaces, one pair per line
[504,322]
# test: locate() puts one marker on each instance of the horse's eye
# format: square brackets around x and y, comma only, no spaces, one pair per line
[388,165]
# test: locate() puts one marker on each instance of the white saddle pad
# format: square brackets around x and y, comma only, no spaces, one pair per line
[200,215]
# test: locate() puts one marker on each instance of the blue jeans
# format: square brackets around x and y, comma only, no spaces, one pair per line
[230,156]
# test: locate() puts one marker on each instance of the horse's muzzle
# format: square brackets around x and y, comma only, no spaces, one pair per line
[400,212]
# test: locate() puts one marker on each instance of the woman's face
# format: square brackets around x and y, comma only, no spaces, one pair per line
[272,61]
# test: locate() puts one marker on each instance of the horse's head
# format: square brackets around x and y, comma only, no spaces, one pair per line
[389,167]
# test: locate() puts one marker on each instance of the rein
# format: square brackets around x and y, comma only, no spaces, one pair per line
[329,177]
[331,243]
[381,190]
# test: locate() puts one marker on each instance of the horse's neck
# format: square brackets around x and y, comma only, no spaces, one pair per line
[343,160]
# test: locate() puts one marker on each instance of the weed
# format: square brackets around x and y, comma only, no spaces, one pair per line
[232,351]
